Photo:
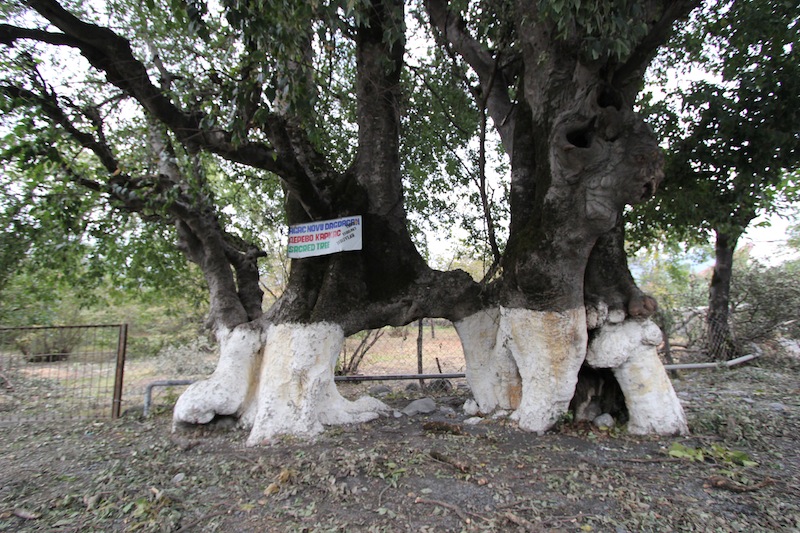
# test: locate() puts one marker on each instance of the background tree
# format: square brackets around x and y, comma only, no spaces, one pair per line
[732,135]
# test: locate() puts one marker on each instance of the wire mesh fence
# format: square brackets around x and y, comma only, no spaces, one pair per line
[190,361]
[56,373]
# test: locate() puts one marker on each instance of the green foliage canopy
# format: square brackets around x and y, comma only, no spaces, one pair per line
[732,134]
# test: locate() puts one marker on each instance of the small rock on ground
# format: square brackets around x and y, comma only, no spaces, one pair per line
[471,407]
[421,406]
[379,391]
[604,421]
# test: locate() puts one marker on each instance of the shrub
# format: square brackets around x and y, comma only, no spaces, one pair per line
[764,302]
[49,344]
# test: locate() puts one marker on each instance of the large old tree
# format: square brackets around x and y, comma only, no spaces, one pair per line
[311,94]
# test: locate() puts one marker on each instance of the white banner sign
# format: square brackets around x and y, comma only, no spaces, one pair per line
[325,237]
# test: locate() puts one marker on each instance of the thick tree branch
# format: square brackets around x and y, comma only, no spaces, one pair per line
[122,189]
[10,34]
[494,86]
[57,157]
[206,242]
[245,266]
[609,280]
[202,241]
[120,185]
[631,71]
[112,54]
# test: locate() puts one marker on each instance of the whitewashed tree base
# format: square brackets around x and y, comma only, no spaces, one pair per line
[549,349]
[524,360]
[630,349]
[281,380]
[529,361]
[278,382]
[490,369]
[297,394]
[225,391]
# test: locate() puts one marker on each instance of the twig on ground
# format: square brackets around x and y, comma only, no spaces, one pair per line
[719,482]
[461,514]
[380,496]
[573,518]
[248,459]
[516,504]
[518,520]
[655,460]
[447,460]
[443,427]
[510,505]
[9,385]
[570,469]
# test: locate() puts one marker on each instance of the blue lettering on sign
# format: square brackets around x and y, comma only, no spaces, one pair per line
[313,227]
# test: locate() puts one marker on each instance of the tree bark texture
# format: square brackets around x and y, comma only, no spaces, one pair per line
[721,344]
[578,155]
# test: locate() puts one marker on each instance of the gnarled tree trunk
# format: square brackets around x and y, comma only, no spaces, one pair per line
[578,155]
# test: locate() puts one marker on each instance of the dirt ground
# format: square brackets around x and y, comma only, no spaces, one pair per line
[738,471]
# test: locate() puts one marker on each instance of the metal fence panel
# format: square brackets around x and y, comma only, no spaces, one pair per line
[56,373]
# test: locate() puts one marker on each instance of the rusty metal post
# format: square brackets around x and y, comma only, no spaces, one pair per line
[419,353]
[122,346]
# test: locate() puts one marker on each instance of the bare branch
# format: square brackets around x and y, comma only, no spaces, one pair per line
[487,212]
[48,103]
[166,77]
[112,54]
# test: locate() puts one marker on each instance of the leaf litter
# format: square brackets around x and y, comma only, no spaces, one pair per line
[737,471]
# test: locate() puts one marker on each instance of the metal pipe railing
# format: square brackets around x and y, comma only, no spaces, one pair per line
[148,391]
[148,395]
[721,364]
[397,377]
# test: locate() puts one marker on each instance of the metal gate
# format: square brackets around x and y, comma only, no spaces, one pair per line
[56,373]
